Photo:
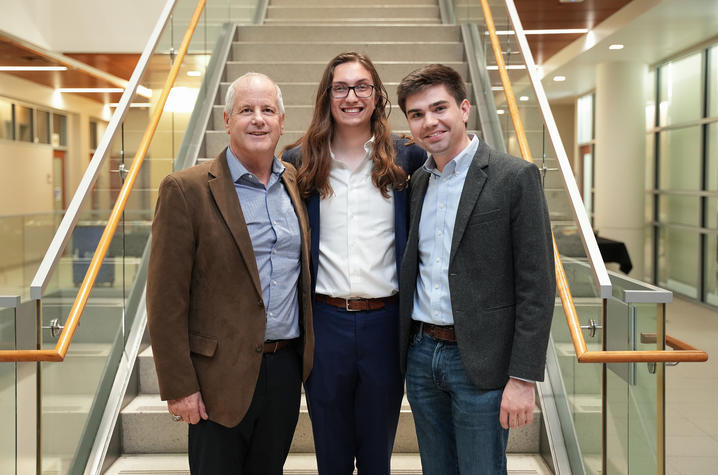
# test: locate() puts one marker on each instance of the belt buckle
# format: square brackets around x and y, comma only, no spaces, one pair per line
[346,306]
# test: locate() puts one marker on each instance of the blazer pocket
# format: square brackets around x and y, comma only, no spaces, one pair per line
[202,345]
[485,217]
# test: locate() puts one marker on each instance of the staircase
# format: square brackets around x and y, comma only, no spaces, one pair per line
[292,47]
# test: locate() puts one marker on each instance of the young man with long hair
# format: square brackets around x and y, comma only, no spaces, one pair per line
[354,173]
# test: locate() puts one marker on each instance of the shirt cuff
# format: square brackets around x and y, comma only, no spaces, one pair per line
[522,379]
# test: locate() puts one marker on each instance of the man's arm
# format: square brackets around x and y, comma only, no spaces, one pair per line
[168,291]
[535,290]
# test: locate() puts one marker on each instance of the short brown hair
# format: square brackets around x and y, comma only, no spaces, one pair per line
[432,75]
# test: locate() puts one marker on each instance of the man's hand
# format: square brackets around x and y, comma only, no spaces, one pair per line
[190,408]
[517,404]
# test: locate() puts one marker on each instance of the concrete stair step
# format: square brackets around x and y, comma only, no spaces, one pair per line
[355,21]
[368,3]
[352,12]
[427,52]
[355,33]
[147,427]
[303,464]
[299,117]
[308,71]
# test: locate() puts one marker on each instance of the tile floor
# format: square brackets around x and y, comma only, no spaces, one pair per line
[692,393]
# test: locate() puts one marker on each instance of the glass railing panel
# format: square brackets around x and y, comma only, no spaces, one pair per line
[74,391]
[25,240]
[8,402]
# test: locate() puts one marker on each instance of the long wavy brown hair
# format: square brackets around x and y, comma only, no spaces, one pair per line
[315,162]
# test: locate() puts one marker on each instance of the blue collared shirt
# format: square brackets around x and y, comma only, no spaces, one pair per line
[274,230]
[432,300]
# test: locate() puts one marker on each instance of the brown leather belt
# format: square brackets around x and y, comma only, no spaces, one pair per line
[440,332]
[272,346]
[355,305]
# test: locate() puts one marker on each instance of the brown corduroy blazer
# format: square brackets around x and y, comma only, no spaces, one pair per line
[205,310]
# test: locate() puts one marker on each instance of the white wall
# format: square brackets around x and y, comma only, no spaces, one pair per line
[79,110]
[25,178]
[84,26]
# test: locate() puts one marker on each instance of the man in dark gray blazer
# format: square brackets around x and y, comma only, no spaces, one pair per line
[477,284]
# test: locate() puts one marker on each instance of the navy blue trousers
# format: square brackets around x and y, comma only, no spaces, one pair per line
[355,389]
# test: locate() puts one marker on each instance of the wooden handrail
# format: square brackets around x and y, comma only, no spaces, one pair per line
[684,352]
[73,319]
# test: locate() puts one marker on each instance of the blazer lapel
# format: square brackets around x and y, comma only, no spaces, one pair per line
[474,183]
[222,189]
[313,212]
[418,190]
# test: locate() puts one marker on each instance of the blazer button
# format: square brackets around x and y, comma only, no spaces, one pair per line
[260,303]
[259,348]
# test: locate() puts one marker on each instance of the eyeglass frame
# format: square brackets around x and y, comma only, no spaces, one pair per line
[372,88]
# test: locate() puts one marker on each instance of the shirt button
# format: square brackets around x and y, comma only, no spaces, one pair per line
[438,259]
[274,282]
[436,313]
[436,286]
[441,206]
[274,222]
[271,314]
[259,348]
[438,233]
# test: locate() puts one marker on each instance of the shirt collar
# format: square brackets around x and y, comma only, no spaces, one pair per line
[238,170]
[459,164]
[368,147]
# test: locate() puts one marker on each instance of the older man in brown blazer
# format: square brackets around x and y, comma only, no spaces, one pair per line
[228,293]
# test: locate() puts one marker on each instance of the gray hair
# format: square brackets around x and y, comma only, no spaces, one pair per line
[229,98]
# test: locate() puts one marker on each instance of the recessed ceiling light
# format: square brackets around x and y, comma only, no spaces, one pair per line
[33,68]
[545,31]
[559,78]
[132,104]
[194,73]
[524,98]
[497,88]
[90,89]
[509,66]
[616,46]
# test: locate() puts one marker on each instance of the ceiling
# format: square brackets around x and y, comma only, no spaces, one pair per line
[551,50]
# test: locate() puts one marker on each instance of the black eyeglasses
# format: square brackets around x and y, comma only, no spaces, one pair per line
[340,91]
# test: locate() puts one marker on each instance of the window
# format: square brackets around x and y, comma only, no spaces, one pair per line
[59,130]
[7,131]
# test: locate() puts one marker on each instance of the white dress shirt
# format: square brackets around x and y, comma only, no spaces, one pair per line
[357,257]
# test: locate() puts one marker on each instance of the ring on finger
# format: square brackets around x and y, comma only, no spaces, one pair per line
[176,418]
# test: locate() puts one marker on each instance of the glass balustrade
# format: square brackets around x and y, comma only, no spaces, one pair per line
[8,401]
[74,391]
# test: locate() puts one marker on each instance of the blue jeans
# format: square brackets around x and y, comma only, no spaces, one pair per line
[457,425]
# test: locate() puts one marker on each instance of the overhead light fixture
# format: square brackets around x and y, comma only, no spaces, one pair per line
[33,68]
[559,78]
[497,88]
[510,66]
[544,31]
[616,46]
[140,105]
[500,111]
[90,89]
[144,91]
[194,73]
[524,98]
[181,99]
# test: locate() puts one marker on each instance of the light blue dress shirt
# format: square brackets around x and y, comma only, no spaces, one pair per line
[274,229]
[432,300]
